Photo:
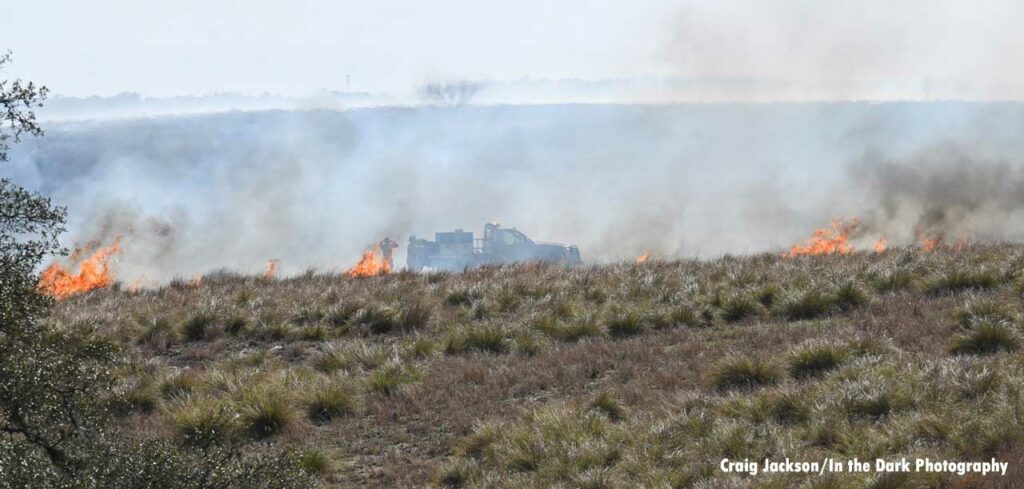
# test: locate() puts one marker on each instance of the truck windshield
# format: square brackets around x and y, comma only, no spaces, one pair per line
[510,237]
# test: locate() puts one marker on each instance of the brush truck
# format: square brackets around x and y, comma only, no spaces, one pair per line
[458,250]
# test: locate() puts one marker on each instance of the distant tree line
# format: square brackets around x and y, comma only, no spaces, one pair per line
[450,93]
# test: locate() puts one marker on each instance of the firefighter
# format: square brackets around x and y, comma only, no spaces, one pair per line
[385,248]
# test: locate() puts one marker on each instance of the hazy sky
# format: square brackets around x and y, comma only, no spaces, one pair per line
[764,49]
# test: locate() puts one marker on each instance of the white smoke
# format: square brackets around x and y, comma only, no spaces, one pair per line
[192,194]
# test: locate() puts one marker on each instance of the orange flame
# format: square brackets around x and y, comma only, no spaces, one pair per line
[139,284]
[827,241]
[271,269]
[93,273]
[881,245]
[371,264]
[930,244]
[643,257]
[197,281]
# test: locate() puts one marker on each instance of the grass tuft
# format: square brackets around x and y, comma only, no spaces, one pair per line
[196,326]
[331,359]
[768,296]
[455,474]
[605,404]
[528,343]
[390,378]
[315,461]
[419,347]
[892,281]
[849,295]
[378,320]
[568,330]
[341,314]
[461,297]
[977,311]
[738,308]
[814,360]
[329,400]
[959,280]
[740,372]
[179,384]
[203,422]
[265,413]
[415,316]
[235,325]
[630,323]
[870,403]
[158,334]
[487,338]
[789,408]
[985,339]
[808,305]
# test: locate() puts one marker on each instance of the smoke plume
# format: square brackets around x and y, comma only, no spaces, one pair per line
[943,191]
[193,194]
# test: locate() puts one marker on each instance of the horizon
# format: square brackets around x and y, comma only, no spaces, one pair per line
[741,50]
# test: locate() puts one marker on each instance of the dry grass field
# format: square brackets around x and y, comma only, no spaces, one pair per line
[626,375]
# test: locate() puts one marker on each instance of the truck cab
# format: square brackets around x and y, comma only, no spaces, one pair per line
[458,250]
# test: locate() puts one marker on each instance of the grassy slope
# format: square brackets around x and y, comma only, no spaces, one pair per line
[607,376]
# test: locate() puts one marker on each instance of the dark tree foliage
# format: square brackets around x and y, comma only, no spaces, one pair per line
[56,426]
[29,224]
